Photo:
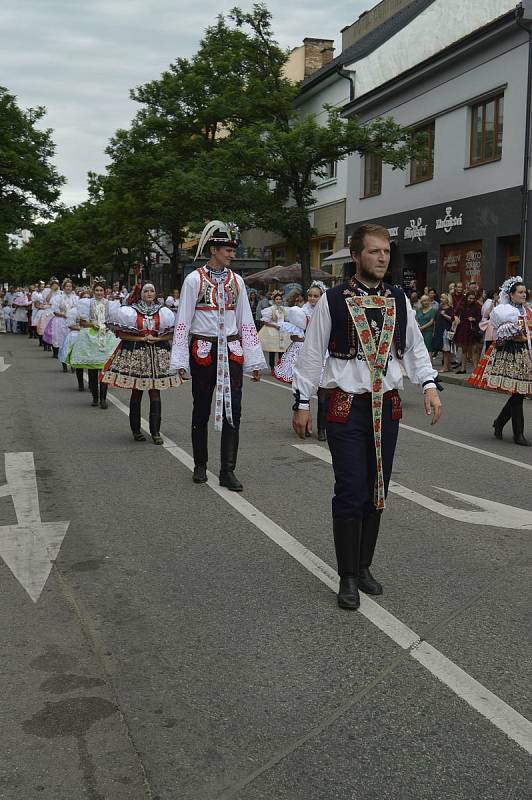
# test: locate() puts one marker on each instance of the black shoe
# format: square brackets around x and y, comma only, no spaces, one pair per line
[103,404]
[230,481]
[95,402]
[497,429]
[157,438]
[139,437]
[200,473]
[520,439]
[367,583]
[65,368]
[322,436]
[348,596]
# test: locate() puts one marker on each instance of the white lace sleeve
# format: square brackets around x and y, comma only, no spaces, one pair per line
[187,308]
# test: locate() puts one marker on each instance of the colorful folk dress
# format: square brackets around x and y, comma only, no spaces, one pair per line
[507,364]
[141,364]
[94,345]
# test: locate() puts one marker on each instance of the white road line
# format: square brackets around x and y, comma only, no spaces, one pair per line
[435,436]
[499,713]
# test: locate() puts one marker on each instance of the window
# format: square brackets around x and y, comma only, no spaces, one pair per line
[279,256]
[326,248]
[372,175]
[423,169]
[330,171]
[486,131]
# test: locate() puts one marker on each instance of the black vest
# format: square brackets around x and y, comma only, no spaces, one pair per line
[343,341]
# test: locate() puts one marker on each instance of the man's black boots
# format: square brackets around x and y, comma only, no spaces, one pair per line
[322,413]
[200,452]
[370,532]
[518,421]
[347,538]
[155,420]
[228,454]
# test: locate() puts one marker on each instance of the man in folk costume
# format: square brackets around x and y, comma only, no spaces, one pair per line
[216,339]
[369,330]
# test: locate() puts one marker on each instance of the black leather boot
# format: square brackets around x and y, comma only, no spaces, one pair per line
[322,413]
[370,532]
[103,395]
[155,420]
[79,376]
[518,420]
[228,454]
[65,366]
[502,419]
[55,351]
[134,416]
[200,452]
[347,537]
[93,386]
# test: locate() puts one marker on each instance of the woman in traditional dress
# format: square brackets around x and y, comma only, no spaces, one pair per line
[172,302]
[61,304]
[46,314]
[95,343]
[272,339]
[507,365]
[142,361]
[296,322]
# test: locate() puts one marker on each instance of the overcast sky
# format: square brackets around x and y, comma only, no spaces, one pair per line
[80,58]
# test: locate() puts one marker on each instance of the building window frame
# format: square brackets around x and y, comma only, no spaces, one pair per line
[372,176]
[279,255]
[430,129]
[498,131]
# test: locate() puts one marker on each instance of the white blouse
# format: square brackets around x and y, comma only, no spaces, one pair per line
[127,318]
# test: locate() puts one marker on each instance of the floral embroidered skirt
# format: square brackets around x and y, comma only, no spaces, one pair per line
[505,368]
[139,365]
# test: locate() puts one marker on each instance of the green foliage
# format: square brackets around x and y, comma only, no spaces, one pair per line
[29,183]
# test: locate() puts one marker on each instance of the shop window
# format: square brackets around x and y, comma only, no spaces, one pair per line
[461,262]
[422,169]
[486,131]
[372,175]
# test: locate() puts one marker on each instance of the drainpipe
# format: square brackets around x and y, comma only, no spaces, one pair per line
[345,73]
[524,10]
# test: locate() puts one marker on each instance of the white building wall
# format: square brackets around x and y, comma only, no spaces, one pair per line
[452,178]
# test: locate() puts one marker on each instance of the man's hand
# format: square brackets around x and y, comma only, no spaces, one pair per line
[432,404]
[183,375]
[256,375]
[302,423]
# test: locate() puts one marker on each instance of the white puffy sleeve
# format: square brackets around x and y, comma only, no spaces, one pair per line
[187,308]
[267,314]
[253,355]
[113,308]
[126,318]
[505,319]
[309,364]
[169,302]
[55,304]
[416,360]
[72,316]
[166,320]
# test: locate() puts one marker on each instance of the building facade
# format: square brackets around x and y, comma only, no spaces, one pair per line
[460,213]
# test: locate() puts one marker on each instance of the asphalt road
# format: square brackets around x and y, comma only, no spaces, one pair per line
[187,645]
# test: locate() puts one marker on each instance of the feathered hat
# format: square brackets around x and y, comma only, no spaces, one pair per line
[218,233]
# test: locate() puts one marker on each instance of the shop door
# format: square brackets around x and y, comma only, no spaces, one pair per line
[461,262]
[415,268]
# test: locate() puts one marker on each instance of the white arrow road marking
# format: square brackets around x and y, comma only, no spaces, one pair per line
[3,365]
[477,696]
[30,547]
[498,515]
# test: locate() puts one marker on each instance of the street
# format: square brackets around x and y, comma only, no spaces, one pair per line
[165,641]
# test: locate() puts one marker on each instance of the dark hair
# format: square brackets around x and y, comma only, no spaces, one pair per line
[356,243]
[101,284]
[516,286]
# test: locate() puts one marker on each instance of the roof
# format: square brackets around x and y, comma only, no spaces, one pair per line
[368,43]
[433,61]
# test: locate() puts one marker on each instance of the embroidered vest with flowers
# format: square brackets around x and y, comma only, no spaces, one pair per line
[343,340]
[207,301]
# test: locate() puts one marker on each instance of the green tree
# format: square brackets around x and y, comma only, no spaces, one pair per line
[29,183]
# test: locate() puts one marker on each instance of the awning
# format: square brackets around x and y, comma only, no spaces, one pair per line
[339,257]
